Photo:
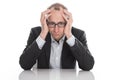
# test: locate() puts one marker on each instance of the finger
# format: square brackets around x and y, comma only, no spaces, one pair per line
[69,21]
[45,14]
[68,14]
[42,17]
[64,16]
[48,16]
[45,18]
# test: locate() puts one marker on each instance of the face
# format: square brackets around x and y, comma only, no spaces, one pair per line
[56,25]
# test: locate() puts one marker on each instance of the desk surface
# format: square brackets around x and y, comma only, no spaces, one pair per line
[56,74]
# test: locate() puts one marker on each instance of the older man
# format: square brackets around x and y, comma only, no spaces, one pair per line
[56,44]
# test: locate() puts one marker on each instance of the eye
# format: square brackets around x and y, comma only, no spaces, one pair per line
[51,23]
[61,23]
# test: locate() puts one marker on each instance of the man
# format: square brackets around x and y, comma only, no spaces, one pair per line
[56,44]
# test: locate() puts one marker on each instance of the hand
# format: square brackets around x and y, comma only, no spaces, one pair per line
[68,17]
[44,17]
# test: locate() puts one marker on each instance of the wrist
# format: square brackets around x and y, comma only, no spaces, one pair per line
[43,34]
[68,35]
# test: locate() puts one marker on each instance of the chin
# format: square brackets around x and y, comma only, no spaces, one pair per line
[57,39]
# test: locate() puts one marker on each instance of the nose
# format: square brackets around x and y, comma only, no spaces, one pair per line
[56,29]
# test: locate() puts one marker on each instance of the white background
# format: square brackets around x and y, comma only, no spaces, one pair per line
[100,19]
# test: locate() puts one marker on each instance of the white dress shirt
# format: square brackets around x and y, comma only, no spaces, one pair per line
[56,49]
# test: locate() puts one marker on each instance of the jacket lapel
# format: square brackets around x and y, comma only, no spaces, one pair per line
[48,48]
[64,52]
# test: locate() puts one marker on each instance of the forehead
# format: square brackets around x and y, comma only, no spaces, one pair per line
[56,15]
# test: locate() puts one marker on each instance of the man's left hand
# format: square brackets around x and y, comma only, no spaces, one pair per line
[68,17]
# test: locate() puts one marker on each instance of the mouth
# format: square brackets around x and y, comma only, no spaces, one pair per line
[56,34]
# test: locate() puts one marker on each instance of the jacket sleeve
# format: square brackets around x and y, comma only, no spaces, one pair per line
[82,54]
[30,53]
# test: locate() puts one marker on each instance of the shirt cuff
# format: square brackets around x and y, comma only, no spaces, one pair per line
[71,41]
[40,42]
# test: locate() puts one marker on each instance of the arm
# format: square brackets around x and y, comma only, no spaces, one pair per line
[79,47]
[30,53]
[82,53]
[34,46]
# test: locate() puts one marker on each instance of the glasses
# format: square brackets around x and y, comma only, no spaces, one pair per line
[53,24]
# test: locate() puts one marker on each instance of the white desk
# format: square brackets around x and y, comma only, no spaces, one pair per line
[56,74]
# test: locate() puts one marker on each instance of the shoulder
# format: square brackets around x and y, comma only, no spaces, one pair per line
[77,32]
[36,30]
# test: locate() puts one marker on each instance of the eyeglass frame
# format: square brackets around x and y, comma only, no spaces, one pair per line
[56,24]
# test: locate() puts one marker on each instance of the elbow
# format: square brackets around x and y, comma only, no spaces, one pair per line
[24,65]
[88,66]
[25,68]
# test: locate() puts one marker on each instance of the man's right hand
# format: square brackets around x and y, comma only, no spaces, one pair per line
[44,17]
